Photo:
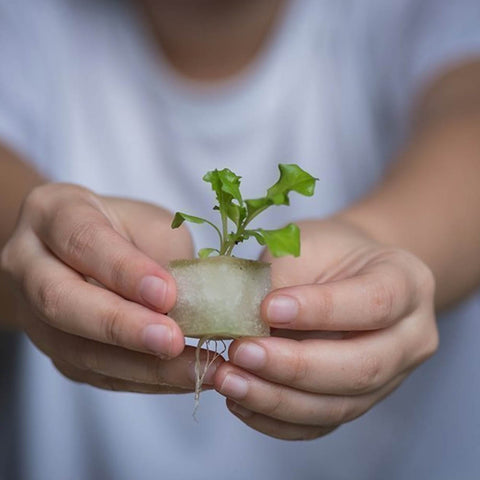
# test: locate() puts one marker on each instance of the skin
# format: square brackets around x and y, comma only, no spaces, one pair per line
[351,317]
[369,274]
[210,40]
[95,293]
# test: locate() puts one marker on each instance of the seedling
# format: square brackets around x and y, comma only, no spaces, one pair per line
[232,207]
[218,295]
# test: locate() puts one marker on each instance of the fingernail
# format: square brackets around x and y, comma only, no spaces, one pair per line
[158,339]
[234,387]
[154,291]
[282,309]
[208,380]
[239,410]
[250,356]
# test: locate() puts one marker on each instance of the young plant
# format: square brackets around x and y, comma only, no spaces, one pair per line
[234,209]
[219,296]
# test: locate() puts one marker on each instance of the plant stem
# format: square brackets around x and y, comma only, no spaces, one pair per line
[227,247]
[224,243]
[217,230]
[231,244]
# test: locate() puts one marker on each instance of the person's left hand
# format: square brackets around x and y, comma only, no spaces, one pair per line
[350,320]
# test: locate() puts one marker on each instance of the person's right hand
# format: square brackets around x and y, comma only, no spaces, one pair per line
[89,272]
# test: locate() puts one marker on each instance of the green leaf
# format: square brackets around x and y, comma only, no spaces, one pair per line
[180,217]
[206,252]
[225,184]
[254,233]
[257,205]
[232,208]
[236,213]
[281,242]
[292,179]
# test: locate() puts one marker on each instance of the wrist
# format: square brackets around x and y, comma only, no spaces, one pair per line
[370,224]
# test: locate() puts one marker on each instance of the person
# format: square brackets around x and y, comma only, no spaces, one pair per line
[110,113]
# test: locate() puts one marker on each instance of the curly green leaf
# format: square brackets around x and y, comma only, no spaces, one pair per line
[292,179]
[180,217]
[281,242]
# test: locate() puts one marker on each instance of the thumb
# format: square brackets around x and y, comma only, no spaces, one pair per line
[287,271]
[148,227]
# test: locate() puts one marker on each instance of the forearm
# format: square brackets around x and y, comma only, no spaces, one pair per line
[429,203]
[16,180]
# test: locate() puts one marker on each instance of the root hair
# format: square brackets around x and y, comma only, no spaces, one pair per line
[201,373]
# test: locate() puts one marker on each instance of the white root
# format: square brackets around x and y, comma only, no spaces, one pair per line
[200,374]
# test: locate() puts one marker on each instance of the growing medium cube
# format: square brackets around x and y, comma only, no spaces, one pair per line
[220,297]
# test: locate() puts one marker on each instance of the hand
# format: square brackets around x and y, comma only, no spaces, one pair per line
[94,292]
[351,319]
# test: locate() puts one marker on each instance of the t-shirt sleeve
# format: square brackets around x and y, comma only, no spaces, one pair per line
[422,39]
[24,83]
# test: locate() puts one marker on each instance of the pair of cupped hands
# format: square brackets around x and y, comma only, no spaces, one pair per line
[350,318]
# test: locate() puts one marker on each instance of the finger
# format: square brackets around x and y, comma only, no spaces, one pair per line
[338,367]
[67,302]
[135,367]
[367,301]
[147,225]
[114,384]
[276,428]
[295,406]
[85,358]
[309,335]
[84,238]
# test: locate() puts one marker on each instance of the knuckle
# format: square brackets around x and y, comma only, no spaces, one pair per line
[298,368]
[382,298]
[339,412]
[14,258]
[81,239]
[275,403]
[119,267]
[367,374]
[43,198]
[48,299]
[38,200]
[326,305]
[418,279]
[72,190]
[60,191]
[112,324]
[47,200]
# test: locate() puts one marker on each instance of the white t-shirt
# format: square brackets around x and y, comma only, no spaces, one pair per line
[84,97]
